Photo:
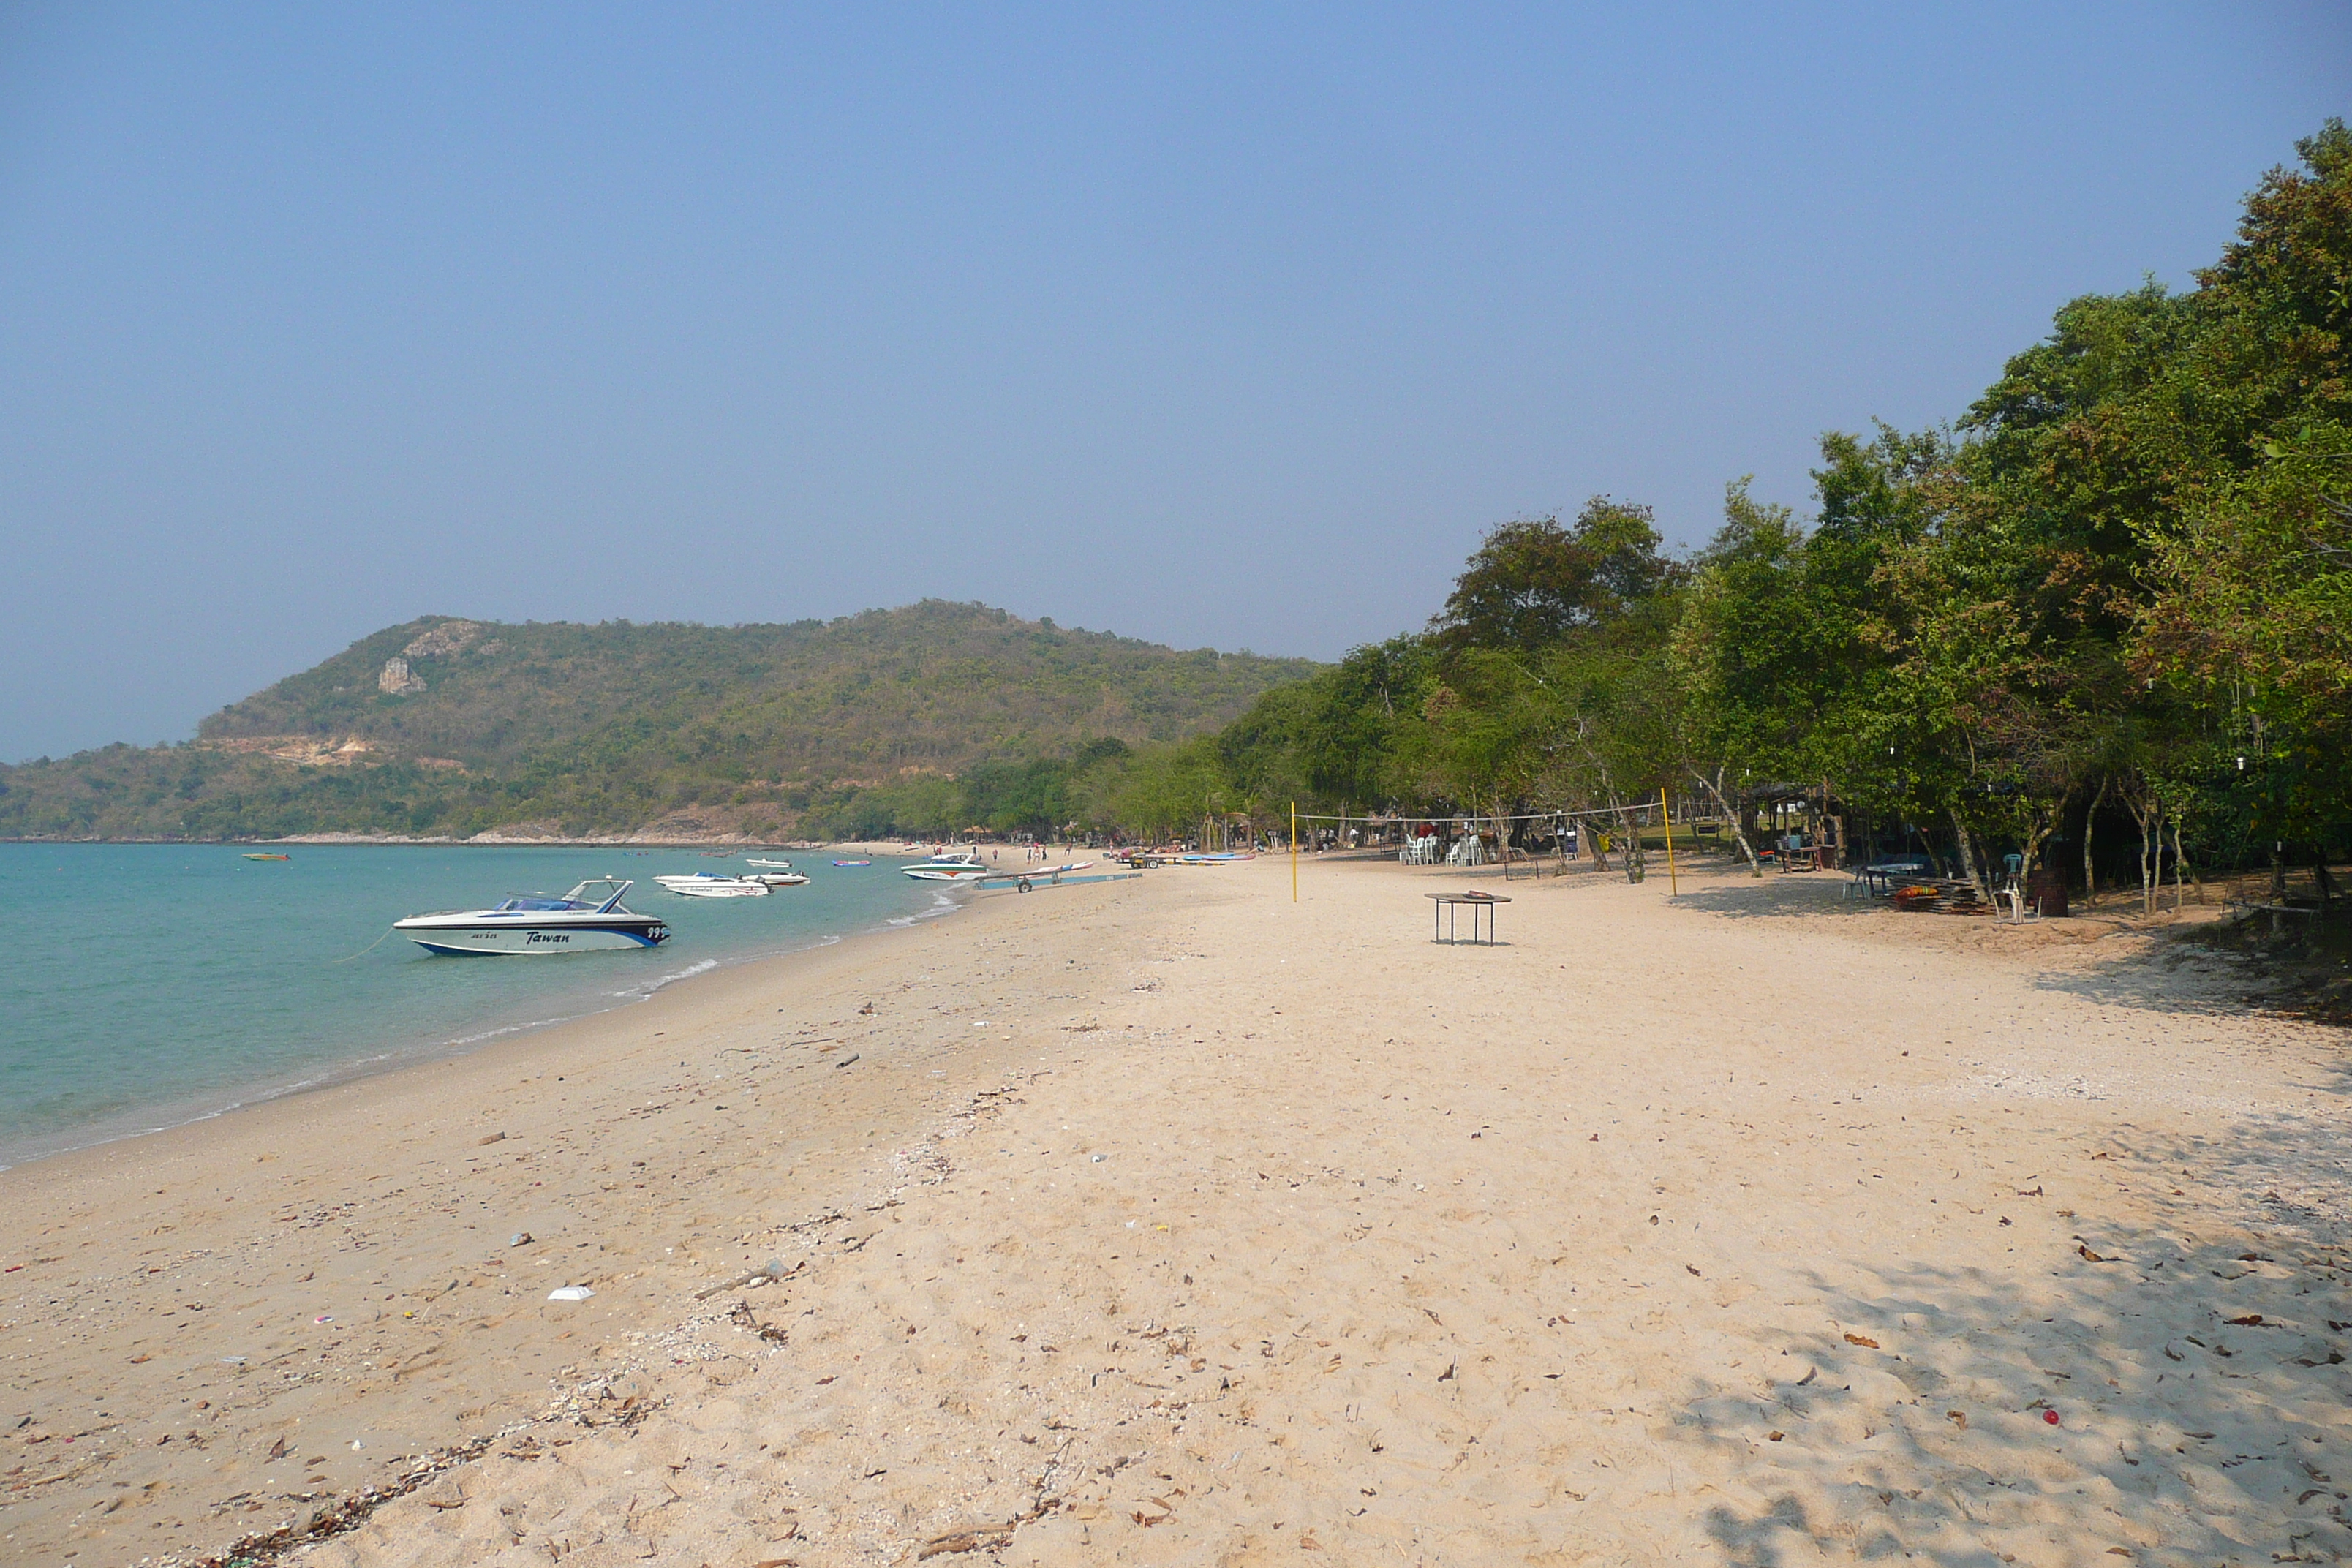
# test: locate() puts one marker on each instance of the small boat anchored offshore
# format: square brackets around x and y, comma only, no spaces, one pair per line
[269,856]
[710,885]
[590,918]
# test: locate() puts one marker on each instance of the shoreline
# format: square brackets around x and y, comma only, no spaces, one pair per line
[1168,1220]
[251,1185]
[393,1056]
[485,841]
[230,1100]
[474,843]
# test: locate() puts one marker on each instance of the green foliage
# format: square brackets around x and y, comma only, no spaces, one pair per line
[1334,740]
[1532,583]
[1161,793]
[924,719]
[2127,578]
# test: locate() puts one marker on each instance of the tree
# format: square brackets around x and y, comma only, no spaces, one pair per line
[1756,656]
[1333,739]
[1159,791]
[1532,583]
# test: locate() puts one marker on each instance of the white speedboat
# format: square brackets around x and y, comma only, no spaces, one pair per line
[949,866]
[778,879]
[708,885]
[588,919]
[770,864]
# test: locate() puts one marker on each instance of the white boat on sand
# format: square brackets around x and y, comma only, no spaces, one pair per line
[590,918]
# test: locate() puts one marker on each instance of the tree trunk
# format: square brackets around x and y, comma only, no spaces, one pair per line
[2147,810]
[2090,868]
[1714,788]
[1636,863]
[2037,834]
[1968,859]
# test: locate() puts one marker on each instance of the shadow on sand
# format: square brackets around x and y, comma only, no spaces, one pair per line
[2168,1392]
[1781,896]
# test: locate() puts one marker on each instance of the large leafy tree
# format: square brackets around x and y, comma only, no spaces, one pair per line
[1533,584]
[2147,492]
[2248,621]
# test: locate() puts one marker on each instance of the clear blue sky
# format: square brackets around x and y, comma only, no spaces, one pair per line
[1229,327]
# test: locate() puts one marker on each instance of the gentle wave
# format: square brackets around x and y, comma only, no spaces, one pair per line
[702,966]
[940,905]
[490,1033]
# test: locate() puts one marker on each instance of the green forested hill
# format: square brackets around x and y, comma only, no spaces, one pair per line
[445,726]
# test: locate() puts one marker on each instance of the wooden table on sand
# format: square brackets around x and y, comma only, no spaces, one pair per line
[1446,904]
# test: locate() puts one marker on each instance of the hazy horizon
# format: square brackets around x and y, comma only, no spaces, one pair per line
[1233,330]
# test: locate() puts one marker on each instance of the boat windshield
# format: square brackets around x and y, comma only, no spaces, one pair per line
[540,903]
[602,894]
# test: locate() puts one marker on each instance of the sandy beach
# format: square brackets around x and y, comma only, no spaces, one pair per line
[1168,1221]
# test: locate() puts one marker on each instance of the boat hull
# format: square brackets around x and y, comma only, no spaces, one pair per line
[509,941]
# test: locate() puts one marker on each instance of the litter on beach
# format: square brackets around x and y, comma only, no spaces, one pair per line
[569,1293]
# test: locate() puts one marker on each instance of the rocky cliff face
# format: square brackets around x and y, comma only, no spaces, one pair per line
[448,638]
[397,680]
[306,751]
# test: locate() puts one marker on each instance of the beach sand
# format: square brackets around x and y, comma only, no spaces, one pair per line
[1168,1221]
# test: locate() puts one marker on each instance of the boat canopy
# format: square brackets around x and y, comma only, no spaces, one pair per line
[599,894]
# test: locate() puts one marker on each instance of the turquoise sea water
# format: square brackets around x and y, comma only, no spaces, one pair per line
[145,985]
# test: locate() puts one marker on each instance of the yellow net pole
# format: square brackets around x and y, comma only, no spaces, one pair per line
[1674,884]
[1293,851]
